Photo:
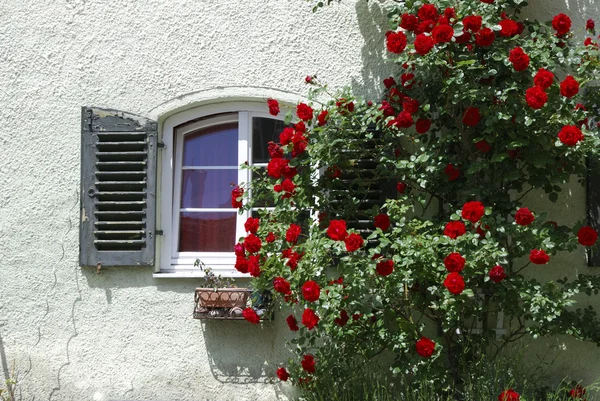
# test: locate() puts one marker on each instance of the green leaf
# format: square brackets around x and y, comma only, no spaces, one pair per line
[553,197]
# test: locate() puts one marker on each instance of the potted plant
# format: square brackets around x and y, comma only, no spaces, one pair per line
[219,298]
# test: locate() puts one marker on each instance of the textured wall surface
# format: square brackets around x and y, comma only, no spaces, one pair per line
[75,335]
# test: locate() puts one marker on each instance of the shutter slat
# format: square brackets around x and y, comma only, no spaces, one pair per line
[118,186]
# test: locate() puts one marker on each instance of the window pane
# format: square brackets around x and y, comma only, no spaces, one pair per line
[266,200]
[207,232]
[264,130]
[207,188]
[212,146]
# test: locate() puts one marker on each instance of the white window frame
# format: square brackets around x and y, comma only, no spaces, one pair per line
[181,264]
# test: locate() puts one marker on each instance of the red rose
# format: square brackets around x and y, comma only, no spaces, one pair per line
[538,257]
[252,243]
[281,285]
[524,217]
[382,221]
[311,291]
[578,391]
[570,135]
[569,87]
[283,374]
[241,264]
[385,267]
[236,195]
[509,395]
[454,229]
[292,323]
[485,37]
[536,97]
[454,262]
[464,38]
[483,146]
[423,44]
[590,25]
[389,82]
[273,106]
[276,167]
[388,109]
[519,59]
[292,233]
[404,120]
[587,236]
[487,1]
[251,316]
[471,116]
[561,24]
[509,28]
[251,225]
[543,78]
[254,266]
[309,318]
[425,347]
[343,319]
[472,23]
[452,172]
[286,136]
[308,363]
[407,77]
[275,150]
[294,258]
[304,112]
[409,22]
[322,118]
[497,274]
[270,237]
[422,125]
[353,242]
[427,12]
[239,250]
[337,230]
[401,187]
[395,42]
[454,283]
[410,105]
[442,33]
[473,211]
[450,13]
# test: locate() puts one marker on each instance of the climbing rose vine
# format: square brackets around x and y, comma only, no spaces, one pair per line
[484,108]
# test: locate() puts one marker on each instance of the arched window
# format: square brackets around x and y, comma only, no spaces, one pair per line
[204,149]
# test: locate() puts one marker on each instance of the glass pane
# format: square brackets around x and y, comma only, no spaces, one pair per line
[212,146]
[267,199]
[207,232]
[207,188]
[264,130]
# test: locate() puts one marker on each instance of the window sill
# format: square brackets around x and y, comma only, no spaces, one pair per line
[197,273]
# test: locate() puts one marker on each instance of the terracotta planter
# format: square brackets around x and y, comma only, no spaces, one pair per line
[222,303]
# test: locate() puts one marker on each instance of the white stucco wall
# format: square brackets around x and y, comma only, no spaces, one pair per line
[75,335]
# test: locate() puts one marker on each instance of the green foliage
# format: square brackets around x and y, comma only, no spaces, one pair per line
[374,317]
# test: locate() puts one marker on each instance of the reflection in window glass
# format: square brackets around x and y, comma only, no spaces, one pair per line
[264,130]
[207,188]
[212,146]
[207,231]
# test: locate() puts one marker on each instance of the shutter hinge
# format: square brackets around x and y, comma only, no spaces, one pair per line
[159,232]
[161,145]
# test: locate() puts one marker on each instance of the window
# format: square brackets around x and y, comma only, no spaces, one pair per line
[203,151]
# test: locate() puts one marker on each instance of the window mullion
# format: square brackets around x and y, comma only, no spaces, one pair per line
[244,152]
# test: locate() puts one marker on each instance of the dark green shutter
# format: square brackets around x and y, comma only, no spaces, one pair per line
[361,180]
[593,205]
[118,188]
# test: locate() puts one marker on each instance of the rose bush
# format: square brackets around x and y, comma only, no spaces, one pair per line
[484,109]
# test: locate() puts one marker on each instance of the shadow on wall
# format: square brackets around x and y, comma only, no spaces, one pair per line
[372,22]
[543,10]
